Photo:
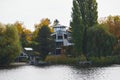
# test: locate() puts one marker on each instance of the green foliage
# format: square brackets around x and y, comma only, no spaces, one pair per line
[77,28]
[100,42]
[23,40]
[96,61]
[45,42]
[9,44]
[88,9]
[116,50]
[25,35]
[113,24]
[68,50]
[86,14]
[61,59]
[56,59]
[82,58]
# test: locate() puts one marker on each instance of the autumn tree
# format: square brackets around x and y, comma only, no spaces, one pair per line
[43,22]
[77,28]
[113,25]
[9,44]
[25,35]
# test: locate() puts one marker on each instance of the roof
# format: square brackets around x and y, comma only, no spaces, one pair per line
[28,49]
[60,26]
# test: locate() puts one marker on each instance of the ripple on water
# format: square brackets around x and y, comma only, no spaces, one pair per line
[60,72]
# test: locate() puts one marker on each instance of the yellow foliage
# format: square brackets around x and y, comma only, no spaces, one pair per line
[2,28]
[28,34]
[20,27]
[113,23]
[23,31]
[43,22]
[51,29]
[56,58]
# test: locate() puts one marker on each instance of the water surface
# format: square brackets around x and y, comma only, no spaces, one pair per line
[60,72]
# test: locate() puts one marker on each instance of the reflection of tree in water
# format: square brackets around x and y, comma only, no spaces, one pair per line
[95,73]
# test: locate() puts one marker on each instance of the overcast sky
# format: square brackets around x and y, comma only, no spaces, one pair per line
[31,12]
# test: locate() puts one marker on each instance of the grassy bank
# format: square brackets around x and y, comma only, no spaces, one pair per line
[12,65]
[102,61]
[60,59]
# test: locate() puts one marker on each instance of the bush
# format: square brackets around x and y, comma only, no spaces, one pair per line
[68,50]
[105,60]
[56,59]
[82,58]
[100,41]
[62,59]
[9,44]
[116,50]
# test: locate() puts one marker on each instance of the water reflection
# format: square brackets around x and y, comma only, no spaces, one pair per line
[60,72]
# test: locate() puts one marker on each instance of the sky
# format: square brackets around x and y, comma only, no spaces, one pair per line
[30,12]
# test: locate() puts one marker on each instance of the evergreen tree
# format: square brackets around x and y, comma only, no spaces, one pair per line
[88,9]
[77,28]
[45,42]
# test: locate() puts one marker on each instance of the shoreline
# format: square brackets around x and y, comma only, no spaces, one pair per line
[13,65]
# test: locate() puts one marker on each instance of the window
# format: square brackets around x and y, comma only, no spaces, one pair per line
[65,36]
[59,44]
[60,37]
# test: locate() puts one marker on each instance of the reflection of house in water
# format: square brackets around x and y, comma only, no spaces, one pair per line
[61,36]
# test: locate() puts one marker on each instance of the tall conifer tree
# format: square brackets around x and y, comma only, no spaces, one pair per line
[77,28]
[89,14]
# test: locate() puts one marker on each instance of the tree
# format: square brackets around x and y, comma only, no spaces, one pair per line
[113,24]
[9,44]
[45,43]
[43,22]
[77,28]
[88,9]
[25,35]
[89,14]
[100,41]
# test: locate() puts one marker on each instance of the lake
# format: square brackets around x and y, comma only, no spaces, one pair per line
[60,72]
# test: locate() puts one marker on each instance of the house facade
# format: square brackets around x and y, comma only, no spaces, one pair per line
[61,37]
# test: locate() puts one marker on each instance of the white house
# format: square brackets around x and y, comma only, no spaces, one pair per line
[61,36]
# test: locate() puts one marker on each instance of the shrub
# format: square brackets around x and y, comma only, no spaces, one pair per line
[105,60]
[9,44]
[63,59]
[100,41]
[56,59]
